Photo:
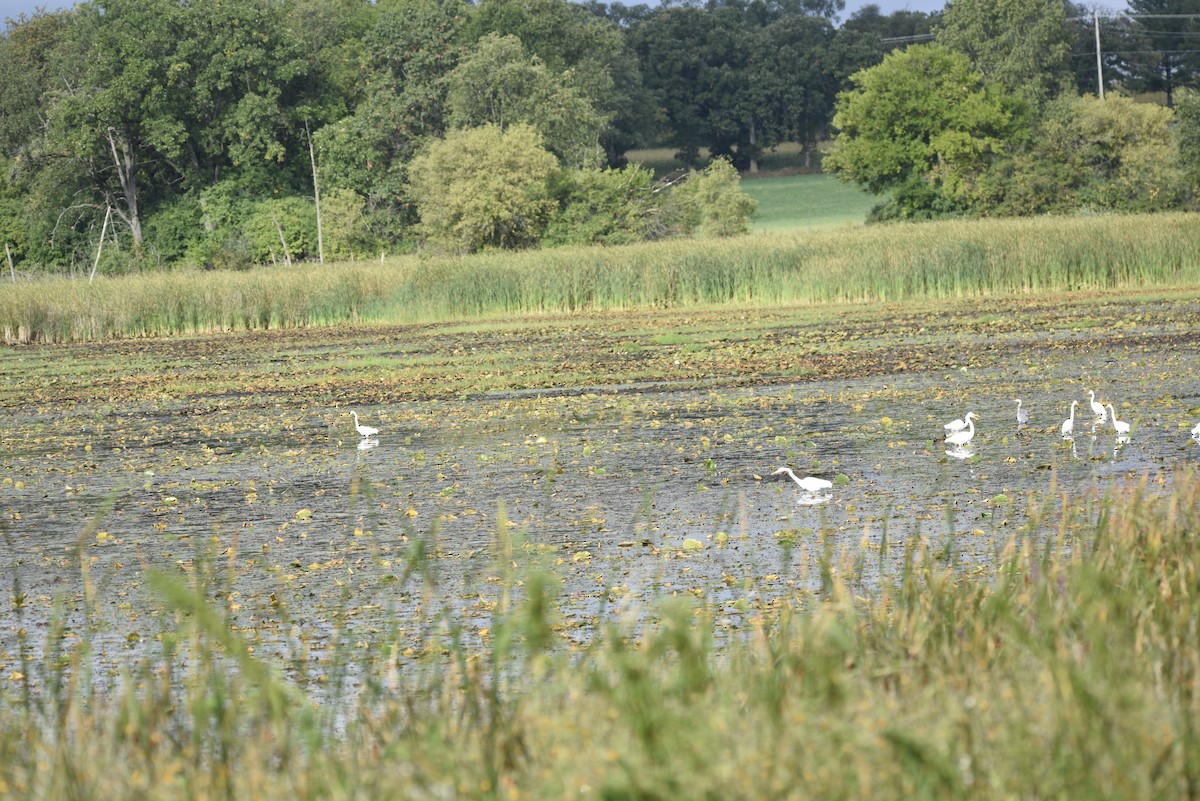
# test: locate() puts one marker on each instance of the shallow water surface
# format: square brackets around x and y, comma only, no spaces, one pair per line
[625,493]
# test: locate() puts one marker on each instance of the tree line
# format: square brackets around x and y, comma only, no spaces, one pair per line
[1005,112]
[209,132]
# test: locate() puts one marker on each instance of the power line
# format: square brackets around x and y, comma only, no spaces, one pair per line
[1091,53]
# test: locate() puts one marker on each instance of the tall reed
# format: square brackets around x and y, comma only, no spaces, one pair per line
[943,260]
[1072,670]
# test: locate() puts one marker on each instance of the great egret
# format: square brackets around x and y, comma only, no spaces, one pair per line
[366,431]
[961,438]
[1022,415]
[1068,425]
[1097,408]
[1120,425]
[954,426]
[808,483]
[1196,431]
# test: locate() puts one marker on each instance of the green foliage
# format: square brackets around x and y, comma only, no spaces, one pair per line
[924,125]
[343,224]
[1154,58]
[603,207]
[1023,45]
[1187,128]
[295,217]
[12,229]
[484,188]
[794,88]
[711,202]
[367,151]
[569,39]
[411,48]
[1113,154]
[500,84]
[174,228]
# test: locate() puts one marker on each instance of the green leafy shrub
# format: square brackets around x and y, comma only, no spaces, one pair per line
[711,202]
[484,188]
[603,206]
[174,228]
[294,216]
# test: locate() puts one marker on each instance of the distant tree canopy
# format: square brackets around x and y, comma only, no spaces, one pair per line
[925,126]
[988,120]
[187,124]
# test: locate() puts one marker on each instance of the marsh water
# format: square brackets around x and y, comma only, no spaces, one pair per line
[625,493]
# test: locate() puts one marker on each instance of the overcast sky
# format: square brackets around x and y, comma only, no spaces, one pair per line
[13,8]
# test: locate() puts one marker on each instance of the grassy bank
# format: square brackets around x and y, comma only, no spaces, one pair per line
[1069,670]
[801,202]
[930,261]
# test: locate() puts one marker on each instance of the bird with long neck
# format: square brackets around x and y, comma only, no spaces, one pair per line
[1121,426]
[1068,426]
[808,483]
[366,431]
[961,438]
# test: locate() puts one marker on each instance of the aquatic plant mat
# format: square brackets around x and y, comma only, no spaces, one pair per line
[563,568]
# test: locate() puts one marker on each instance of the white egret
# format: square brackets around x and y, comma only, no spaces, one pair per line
[961,438]
[366,431]
[1022,415]
[1196,431]
[954,426]
[808,483]
[1097,408]
[1068,425]
[1120,425]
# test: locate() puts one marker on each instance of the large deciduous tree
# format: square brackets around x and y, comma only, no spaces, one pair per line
[408,52]
[1024,45]
[500,84]
[794,81]
[568,37]
[117,119]
[923,126]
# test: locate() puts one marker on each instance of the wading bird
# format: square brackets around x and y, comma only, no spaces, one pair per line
[1068,426]
[1120,425]
[961,438]
[808,483]
[1196,431]
[1097,408]
[366,431]
[954,426]
[1022,415]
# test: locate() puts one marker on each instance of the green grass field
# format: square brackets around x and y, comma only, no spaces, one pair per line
[797,202]
[790,195]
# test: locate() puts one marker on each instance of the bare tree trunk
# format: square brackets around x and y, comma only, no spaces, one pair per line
[8,254]
[287,257]
[753,147]
[100,244]
[312,156]
[126,164]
